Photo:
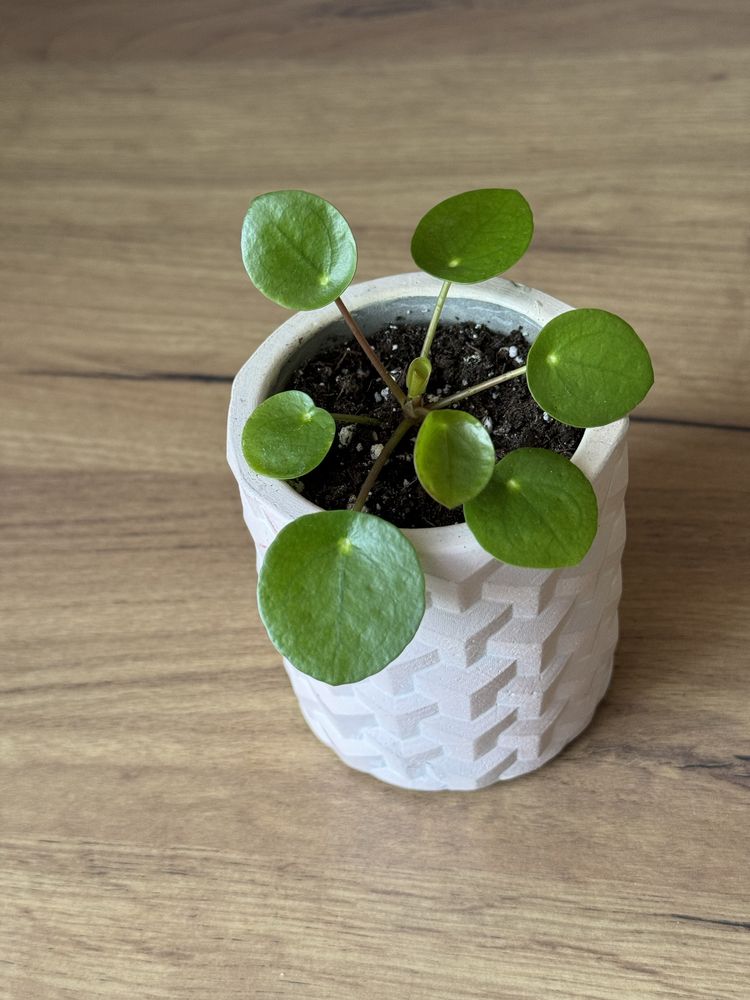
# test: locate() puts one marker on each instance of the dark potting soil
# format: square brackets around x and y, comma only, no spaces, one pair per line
[341,379]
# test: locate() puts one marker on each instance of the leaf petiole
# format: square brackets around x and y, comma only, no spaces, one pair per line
[349,418]
[388,449]
[474,389]
[377,364]
[432,328]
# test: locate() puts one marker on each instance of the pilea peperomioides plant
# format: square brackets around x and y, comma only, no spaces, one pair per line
[341,592]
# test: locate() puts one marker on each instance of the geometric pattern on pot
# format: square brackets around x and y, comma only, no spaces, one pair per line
[496,683]
[508,664]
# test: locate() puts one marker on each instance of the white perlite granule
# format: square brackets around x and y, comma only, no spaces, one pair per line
[345,435]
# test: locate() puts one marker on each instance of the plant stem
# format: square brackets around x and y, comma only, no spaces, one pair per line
[432,328]
[349,418]
[377,364]
[380,461]
[479,387]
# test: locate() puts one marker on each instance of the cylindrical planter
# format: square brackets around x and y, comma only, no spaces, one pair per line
[508,664]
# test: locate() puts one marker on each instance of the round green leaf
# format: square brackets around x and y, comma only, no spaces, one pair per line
[588,367]
[454,456]
[341,594]
[539,510]
[473,236]
[287,436]
[298,249]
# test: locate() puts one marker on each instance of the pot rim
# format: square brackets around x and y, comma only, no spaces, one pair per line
[257,378]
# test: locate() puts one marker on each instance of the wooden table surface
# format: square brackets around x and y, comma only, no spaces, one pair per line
[168,826]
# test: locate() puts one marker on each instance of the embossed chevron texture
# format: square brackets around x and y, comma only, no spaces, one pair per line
[507,667]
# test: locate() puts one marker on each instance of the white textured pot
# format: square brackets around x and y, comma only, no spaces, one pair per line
[508,664]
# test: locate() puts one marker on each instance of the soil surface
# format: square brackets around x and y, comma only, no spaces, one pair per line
[341,379]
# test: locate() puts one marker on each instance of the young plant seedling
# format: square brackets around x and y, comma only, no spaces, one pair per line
[341,592]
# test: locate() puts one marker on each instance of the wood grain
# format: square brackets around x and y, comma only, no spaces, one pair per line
[168,826]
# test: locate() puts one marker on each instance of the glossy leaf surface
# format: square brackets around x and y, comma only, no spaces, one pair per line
[341,594]
[588,367]
[538,510]
[453,456]
[298,249]
[287,436]
[473,236]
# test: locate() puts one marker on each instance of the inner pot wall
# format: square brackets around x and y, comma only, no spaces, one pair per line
[508,664]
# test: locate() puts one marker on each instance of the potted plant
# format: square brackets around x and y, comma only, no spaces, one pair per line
[444,657]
